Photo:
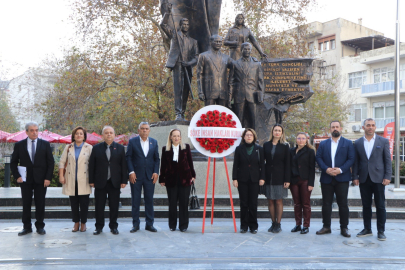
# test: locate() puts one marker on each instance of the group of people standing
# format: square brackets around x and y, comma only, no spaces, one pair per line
[268,170]
[275,167]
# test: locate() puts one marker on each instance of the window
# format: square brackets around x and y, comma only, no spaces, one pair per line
[358,112]
[333,44]
[383,74]
[402,72]
[357,79]
[327,43]
[386,110]
[330,71]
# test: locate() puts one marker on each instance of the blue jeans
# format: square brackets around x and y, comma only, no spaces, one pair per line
[367,189]
[148,190]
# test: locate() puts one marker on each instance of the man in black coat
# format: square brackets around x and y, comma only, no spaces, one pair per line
[36,156]
[107,174]
[372,170]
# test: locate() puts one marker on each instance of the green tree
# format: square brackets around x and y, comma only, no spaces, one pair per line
[8,121]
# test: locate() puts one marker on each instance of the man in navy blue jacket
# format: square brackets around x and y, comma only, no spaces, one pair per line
[335,156]
[143,166]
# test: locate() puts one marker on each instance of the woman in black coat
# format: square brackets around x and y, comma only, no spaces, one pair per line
[277,157]
[177,174]
[302,181]
[247,175]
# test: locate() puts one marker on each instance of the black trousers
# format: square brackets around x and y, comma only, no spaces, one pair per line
[27,189]
[80,206]
[251,108]
[100,194]
[248,193]
[367,189]
[341,190]
[179,194]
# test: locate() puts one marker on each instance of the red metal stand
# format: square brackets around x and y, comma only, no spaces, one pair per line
[213,192]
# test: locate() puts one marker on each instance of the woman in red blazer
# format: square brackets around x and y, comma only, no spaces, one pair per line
[177,174]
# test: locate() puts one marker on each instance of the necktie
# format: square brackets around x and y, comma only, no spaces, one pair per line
[33,151]
[108,153]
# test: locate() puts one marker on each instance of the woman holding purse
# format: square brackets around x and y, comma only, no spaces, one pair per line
[73,175]
[177,174]
[248,175]
[302,181]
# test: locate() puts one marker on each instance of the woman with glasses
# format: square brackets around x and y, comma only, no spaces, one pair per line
[302,180]
[247,175]
[277,157]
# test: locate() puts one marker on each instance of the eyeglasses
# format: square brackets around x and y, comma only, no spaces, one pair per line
[248,135]
[301,139]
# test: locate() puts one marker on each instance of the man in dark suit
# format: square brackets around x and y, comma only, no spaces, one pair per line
[212,74]
[335,156]
[36,156]
[143,166]
[107,174]
[183,56]
[372,169]
[247,85]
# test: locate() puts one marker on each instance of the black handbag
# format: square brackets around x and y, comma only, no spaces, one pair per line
[194,203]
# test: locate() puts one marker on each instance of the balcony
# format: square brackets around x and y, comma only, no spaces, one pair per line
[381,123]
[380,89]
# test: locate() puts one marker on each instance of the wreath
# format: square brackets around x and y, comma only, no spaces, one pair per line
[216,119]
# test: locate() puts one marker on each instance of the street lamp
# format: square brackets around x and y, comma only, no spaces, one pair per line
[7,159]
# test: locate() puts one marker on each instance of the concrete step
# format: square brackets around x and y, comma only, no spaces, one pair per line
[64,212]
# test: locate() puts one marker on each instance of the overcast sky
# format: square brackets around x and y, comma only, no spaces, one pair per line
[29,30]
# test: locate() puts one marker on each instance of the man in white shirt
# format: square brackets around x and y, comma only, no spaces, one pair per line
[372,170]
[143,167]
[335,156]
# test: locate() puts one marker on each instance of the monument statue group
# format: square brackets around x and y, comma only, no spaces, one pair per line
[254,89]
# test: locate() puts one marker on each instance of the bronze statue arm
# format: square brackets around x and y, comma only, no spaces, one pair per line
[200,68]
[256,44]
[231,81]
[229,43]
[165,26]
[261,83]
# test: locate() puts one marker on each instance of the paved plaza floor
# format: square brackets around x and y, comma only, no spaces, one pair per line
[218,248]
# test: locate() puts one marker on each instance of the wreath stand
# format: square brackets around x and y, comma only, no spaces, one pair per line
[213,194]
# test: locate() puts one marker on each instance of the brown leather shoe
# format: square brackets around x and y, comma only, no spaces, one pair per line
[345,232]
[83,227]
[324,230]
[75,227]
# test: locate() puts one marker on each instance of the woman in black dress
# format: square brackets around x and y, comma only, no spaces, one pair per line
[247,175]
[277,157]
[302,181]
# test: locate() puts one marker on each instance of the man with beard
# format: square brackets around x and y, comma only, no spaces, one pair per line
[335,156]
[372,169]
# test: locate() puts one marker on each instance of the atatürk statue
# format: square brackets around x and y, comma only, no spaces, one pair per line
[247,86]
[212,75]
[183,56]
[239,34]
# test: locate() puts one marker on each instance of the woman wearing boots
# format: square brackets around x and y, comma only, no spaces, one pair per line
[277,156]
[302,181]
[76,179]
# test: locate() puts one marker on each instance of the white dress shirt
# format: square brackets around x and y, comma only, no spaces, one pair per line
[368,145]
[145,146]
[334,146]
[29,146]
[175,153]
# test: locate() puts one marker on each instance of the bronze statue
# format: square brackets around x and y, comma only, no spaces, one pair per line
[239,34]
[247,86]
[182,57]
[212,75]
